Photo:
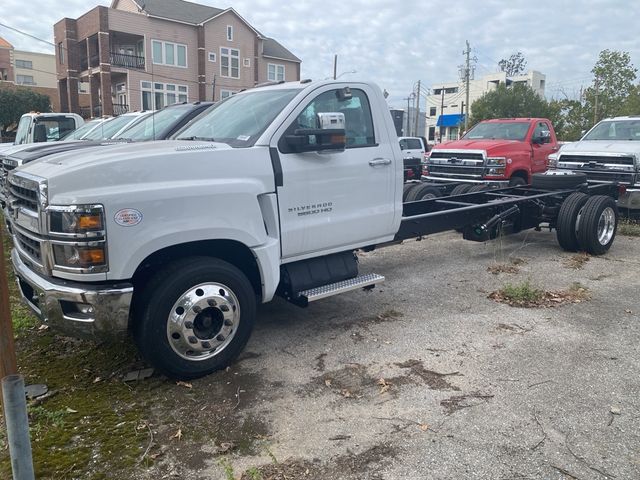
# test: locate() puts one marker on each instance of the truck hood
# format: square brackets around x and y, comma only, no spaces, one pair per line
[488,145]
[128,167]
[605,146]
[31,152]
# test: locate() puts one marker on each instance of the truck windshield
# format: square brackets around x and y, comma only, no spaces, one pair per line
[109,128]
[82,131]
[154,124]
[615,130]
[239,120]
[498,131]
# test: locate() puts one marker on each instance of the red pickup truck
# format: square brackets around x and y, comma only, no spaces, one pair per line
[505,151]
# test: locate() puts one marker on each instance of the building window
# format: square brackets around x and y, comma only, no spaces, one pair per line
[168,53]
[212,57]
[246,62]
[229,62]
[25,80]
[275,73]
[432,111]
[61,53]
[432,134]
[24,64]
[162,94]
[226,94]
[229,33]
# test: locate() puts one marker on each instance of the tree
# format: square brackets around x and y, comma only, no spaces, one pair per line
[514,65]
[613,85]
[14,102]
[509,102]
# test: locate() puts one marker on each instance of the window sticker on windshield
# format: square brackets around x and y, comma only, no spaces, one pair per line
[243,138]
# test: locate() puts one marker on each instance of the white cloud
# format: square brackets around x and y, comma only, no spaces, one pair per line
[398,43]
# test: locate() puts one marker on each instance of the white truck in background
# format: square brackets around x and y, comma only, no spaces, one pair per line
[268,193]
[37,127]
[609,152]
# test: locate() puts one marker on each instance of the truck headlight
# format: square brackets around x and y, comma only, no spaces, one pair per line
[553,160]
[86,256]
[77,220]
[494,161]
[495,171]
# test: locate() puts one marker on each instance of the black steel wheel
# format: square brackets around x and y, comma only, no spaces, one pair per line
[194,317]
[407,188]
[517,181]
[480,187]
[557,182]
[423,192]
[460,189]
[566,224]
[597,224]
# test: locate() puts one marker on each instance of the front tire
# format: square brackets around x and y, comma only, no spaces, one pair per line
[423,192]
[195,317]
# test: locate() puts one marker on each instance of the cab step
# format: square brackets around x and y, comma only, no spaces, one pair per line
[366,281]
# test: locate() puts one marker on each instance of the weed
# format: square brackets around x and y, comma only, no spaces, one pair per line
[577,261]
[228,468]
[522,292]
[254,474]
[629,228]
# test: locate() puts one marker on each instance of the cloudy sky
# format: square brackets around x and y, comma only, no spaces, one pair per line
[397,43]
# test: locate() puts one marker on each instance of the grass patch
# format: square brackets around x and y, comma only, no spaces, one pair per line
[525,295]
[629,228]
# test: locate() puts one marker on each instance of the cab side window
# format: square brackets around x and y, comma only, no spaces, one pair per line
[356,111]
[540,128]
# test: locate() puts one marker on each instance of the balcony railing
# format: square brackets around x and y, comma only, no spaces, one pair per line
[120,108]
[126,60]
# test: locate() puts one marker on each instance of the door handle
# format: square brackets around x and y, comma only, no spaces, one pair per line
[379,161]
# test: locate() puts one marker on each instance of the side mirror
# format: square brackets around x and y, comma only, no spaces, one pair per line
[330,136]
[543,137]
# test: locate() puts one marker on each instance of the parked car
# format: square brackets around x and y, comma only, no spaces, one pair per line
[116,126]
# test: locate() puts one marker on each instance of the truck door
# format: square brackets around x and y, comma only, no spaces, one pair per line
[543,144]
[337,200]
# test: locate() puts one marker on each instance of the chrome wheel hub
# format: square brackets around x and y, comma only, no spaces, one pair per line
[203,321]
[606,226]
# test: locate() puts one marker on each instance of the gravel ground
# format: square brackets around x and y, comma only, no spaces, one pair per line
[426,377]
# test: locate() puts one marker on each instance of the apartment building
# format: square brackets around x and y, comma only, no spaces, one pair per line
[33,70]
[445,106]
[146,54]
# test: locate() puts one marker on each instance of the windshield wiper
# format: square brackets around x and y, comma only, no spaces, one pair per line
[204,139]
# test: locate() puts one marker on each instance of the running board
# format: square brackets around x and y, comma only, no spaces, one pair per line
[368,281]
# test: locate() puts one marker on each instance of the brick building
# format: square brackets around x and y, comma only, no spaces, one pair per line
[147,54]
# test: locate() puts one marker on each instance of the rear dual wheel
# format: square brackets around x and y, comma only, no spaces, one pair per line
[587,223]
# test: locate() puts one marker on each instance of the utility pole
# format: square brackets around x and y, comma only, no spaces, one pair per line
[441,111]
[467,75]
[595,110]
[407,132]
[416,126]
[335,65]
[213,97]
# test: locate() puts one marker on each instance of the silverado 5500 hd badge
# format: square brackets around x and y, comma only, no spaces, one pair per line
[313,209]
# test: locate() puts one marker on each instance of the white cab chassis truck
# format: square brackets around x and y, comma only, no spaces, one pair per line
[269,193]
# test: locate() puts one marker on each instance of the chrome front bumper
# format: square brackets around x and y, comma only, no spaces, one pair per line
[495,183]
[76,309]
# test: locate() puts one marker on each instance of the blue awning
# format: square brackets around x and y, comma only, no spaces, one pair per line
[451,120]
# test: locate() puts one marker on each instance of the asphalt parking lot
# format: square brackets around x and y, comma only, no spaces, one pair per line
[426,377]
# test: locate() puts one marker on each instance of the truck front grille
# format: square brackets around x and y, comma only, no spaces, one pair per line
[461,156]
[600,160]
[23,197]
[604,175]
[446,170]
[29,246]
